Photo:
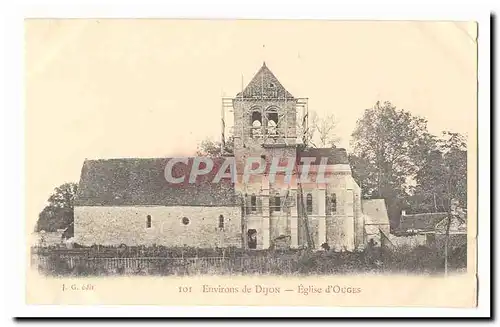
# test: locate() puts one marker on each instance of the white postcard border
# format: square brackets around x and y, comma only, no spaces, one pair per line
[13,163]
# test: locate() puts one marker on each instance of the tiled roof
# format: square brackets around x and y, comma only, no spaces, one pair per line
[116,182]
[375,212]
[421,222]
[264,85]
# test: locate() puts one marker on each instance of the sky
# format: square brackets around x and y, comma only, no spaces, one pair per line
[152,88]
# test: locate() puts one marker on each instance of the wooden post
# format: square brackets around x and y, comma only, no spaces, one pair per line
[446,245]
[303,210]
[447,236]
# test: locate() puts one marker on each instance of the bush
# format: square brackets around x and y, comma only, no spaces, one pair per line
[160,260]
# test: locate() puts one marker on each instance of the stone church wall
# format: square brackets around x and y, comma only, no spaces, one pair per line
[127,225]
[345,226]
[359,219]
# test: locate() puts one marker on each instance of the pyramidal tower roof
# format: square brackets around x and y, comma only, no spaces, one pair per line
[264,85]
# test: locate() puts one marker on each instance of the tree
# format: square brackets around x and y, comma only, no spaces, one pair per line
[442,176]
[321,131]
[362,170]
[210,148]
[442,181]
[388,147]
[63,196]
[58,214]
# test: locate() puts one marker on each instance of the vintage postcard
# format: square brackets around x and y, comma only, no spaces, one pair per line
[251,162]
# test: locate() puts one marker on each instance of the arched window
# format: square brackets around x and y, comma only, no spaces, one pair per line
[148,221]
[256,121]
[277,202]
[221,222]
[272,117]
[333,203]
[309,203]
[256,118]
[272,121]
[253,203]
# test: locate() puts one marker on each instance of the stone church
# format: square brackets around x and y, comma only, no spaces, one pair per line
[128,201]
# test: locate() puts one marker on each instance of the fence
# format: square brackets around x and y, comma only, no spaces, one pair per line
[83,265]
[83,262]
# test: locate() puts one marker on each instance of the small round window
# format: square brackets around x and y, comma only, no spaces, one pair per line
[185,220]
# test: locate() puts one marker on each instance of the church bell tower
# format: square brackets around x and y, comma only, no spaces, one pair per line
[269,123]
[266,118]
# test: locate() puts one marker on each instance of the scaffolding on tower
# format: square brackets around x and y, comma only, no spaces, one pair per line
[302,133]
[302,210]
[227,105]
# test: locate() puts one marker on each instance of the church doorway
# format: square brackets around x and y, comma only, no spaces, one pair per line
[252,238]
